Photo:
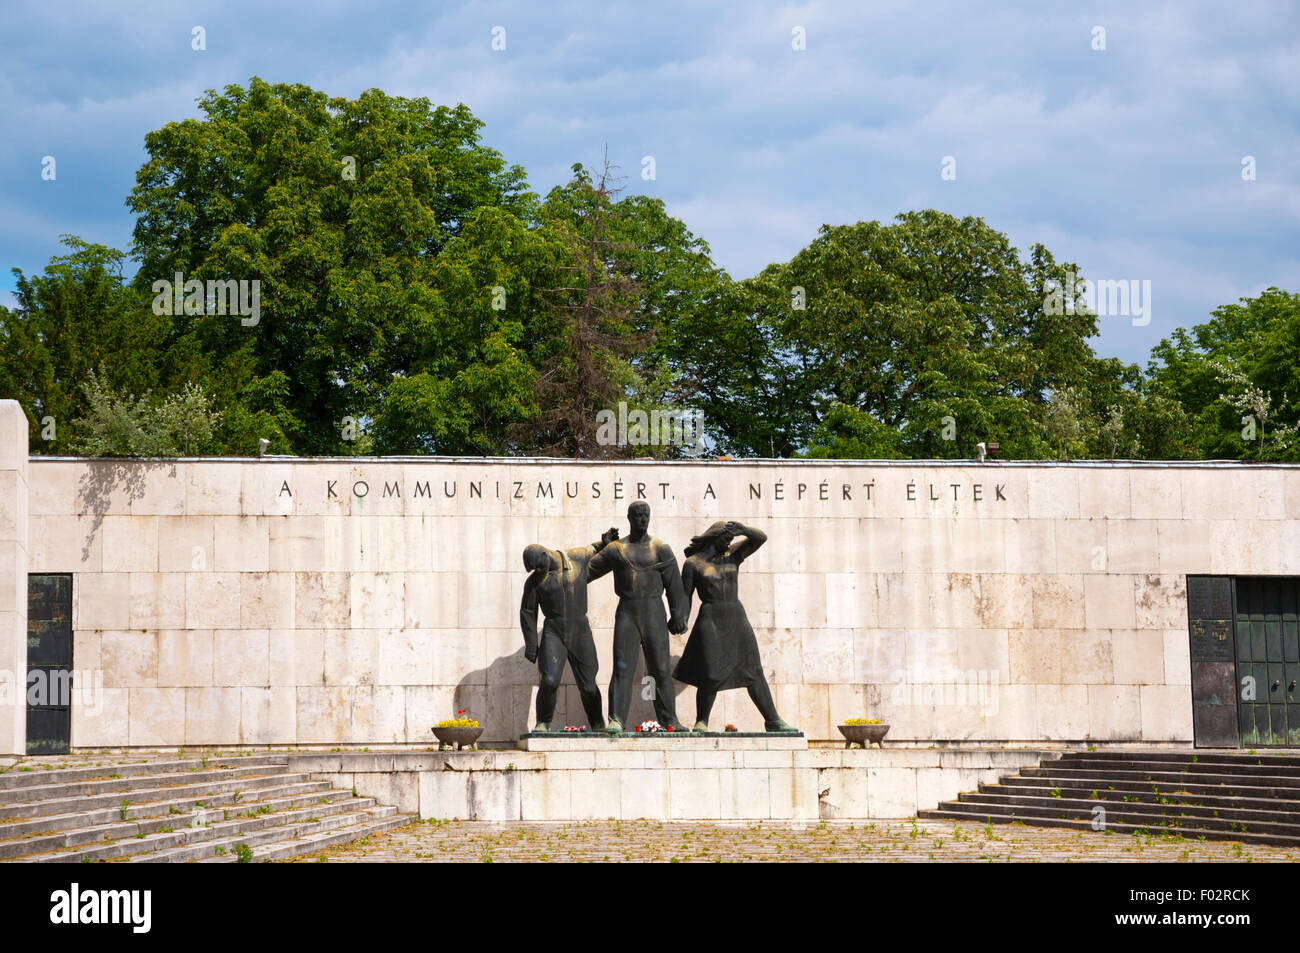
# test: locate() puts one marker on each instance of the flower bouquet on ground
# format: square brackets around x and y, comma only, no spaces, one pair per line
[459,732]
[650,727]
[575,728]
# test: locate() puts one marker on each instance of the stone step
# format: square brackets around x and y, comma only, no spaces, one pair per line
[125,785]
[1167,798]
[18,777]
[1184,757]
[1090,782]
[1216,796]
[1170,778]
[311,843]
[1185,814]
[1117,814]
[257,828]
[177,810]
[1226,768]
[58,803]
[70,830]
[279,834]
[951,812]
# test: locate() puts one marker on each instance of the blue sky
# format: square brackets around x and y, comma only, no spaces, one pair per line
[1126,160]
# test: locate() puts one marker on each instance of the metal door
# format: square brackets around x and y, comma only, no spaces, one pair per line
[1214,692]
[1268,661]
[49,663]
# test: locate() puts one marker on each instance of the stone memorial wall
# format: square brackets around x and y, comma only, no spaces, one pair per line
[358,601]
[13,577]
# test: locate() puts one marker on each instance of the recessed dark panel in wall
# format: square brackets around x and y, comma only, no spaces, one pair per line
[1214,695]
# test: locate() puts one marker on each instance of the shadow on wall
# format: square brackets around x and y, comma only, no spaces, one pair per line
[501,697]
[101,478]
[498,696]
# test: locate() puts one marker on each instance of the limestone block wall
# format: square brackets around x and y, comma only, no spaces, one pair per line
[344,601]
[13,578]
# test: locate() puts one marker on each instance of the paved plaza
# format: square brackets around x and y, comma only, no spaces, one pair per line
[828,841]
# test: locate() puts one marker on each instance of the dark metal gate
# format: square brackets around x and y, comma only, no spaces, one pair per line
[1268,661]
[49,663]
[1245,650]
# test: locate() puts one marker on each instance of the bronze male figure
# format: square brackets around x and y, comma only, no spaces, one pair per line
[644,569]
[558,584]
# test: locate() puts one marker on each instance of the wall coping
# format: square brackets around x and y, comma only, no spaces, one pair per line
[744,462]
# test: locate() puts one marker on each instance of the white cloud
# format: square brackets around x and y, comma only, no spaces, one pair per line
[1124,160]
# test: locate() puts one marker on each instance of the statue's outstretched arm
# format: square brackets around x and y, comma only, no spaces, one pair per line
[602,562]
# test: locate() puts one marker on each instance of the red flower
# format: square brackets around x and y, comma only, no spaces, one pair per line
[638,727]
[670,727]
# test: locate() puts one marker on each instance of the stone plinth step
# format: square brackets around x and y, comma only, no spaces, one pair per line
[1195,756]
[179,810]
[1180,798]
[127,786]
[25,776]
[193,843]
[93,828]
[228,847]
[147,799]
[1210,788]
[663,741]
[1224,796]
[1187,815]
[311,843]
[1264,768]
[1162,778]
[1154,830]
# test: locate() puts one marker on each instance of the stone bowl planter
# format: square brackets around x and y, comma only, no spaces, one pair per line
[864,735]
[457,737]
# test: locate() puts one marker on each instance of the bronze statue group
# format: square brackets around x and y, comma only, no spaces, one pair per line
[721,651]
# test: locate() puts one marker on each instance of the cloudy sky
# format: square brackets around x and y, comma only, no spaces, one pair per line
[1127,160]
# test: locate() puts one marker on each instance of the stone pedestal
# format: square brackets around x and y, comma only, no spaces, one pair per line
[663,741]
[630,780]
[13,578]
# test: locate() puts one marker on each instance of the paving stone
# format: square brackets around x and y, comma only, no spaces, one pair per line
[442,841]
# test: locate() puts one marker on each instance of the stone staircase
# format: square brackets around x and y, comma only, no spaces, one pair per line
[205,810]
[1253,798]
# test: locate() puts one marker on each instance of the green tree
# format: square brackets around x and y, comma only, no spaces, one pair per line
[846,433]
[78,315]
[1231,372]
[120,424]
[636,275]
[1065,422]
[933,330]
[340,209]
[470,380]
[750,380]
[1257,405]
[586,369]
